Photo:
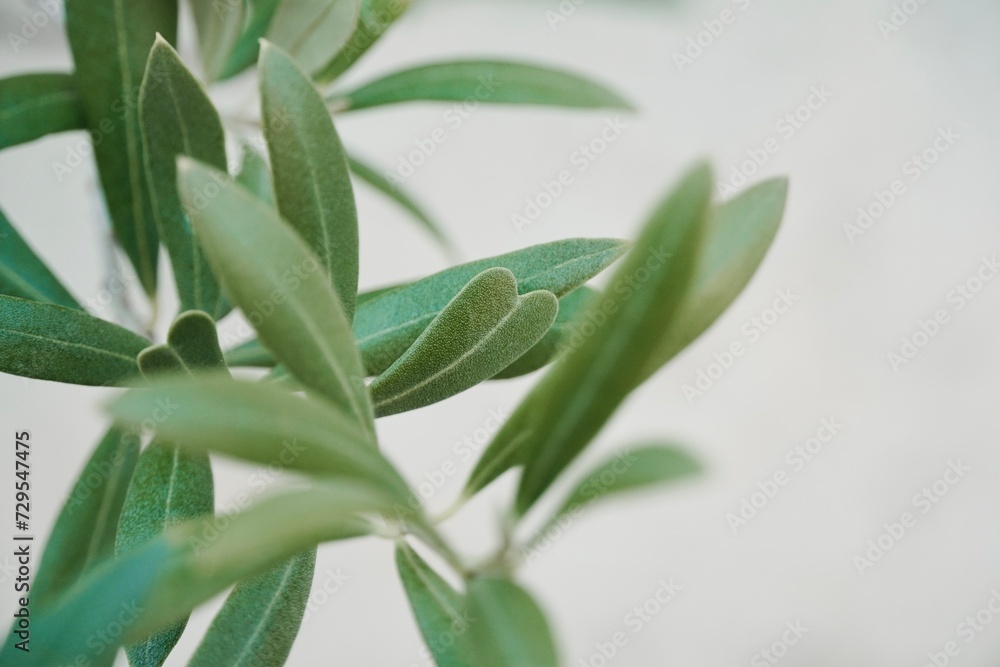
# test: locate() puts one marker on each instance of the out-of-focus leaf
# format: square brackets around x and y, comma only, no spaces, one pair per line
[439,609]
[193,337]
[35,105]
[313,32]
[487,81]
[49,342]
[84,534]
[179,119]
[579,394]
[312,183]
[375,18]
[24,275]
[110,40]
[386,326]
[556,338]
[508,628]
[160,360]
[258,624]
[229,32]
[479,333]
[254,174]
[279,284]
[372,177]
[263,423]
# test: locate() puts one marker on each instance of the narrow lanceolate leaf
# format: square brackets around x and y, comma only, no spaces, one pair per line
[374,20]
[35,105]
[578,395]
[439,609]
[312,183]
[372,177]
[84,534]
[279,284]
[488,81]
[170,485]
[484,328]
[110,40]
[167,577]
[508,628]
[737,236]
[630,470]
[263,423]
[24,275]
[193,336]
[386,326]
[219,25]
[254,174]
[244,52]
[49,342]
[258,624]
[313,32]
[557,339]
[179,119]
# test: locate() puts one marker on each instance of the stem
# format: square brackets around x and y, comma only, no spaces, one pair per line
[452,510]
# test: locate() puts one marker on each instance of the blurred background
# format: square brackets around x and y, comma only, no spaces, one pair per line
[846,98]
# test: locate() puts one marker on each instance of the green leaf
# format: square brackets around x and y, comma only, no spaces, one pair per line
[556,339]
[194,338]
[313,32]
[629,470]
[737,236]
[110,40]
[179,119]
[386,326]
[254,174]
[49,342]
[374,20]
[24,275]
[170,485]
[488,81]
[279,284]
[84,534]
[582,390]
[480,332]
[261,617]
[167,577]
[244,52]
[382,184]
[35,105]
[228,34]
[439,609]
[312,183]
[508,628]
[160,360]
[262,423]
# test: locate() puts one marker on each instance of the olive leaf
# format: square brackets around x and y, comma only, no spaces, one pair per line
[278,283]
[179,119]
[160,360]
[24,275]
[313,32]
[35,105]
[110,40]
[488,81]
[254,174]
[479,333]
[386,326]
[49,342]
[312,183]
[439,609]
[375,18]
[228,34]
[193,336]
[580,392]
[261,617]
[84,534]
[372,177]
[507,627]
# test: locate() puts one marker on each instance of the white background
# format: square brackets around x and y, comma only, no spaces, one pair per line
[826,357]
